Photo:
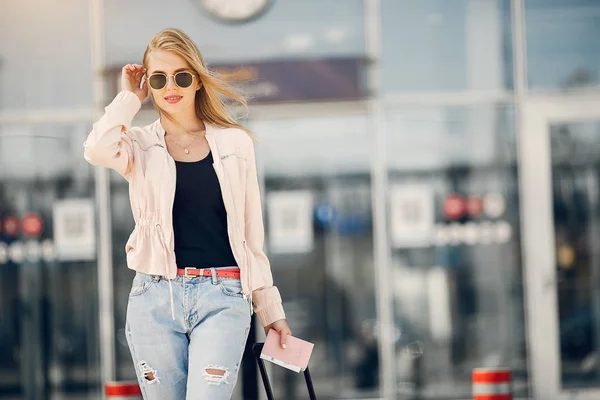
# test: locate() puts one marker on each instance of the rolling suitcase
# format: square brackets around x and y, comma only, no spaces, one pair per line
[257,350]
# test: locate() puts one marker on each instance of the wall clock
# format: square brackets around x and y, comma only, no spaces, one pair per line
[235,11]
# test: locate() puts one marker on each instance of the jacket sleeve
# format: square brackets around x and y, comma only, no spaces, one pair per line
[107,144]
[267,300]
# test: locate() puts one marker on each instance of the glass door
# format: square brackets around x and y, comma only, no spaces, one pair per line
[560,181]
[317,200]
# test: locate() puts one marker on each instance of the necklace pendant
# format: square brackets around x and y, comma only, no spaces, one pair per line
[187,151]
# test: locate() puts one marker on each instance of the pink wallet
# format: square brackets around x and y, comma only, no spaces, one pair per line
[294,357]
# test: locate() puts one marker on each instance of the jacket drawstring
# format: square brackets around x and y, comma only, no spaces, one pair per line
[162,241]
[249,278]
[172,302]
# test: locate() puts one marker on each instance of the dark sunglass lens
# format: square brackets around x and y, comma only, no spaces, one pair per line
[157,81]
[183,79]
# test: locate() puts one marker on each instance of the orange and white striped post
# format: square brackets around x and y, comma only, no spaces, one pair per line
[123,391]
[492,384]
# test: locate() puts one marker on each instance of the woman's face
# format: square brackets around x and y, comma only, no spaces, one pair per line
[172,98]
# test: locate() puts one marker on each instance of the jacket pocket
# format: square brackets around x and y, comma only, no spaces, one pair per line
[132,247]
[131,244]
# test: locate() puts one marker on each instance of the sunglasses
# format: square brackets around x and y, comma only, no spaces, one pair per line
[182,79]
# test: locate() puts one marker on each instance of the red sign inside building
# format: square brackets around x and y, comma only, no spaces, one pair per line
[32,225]
[10,226]
[454,206]
[474,206]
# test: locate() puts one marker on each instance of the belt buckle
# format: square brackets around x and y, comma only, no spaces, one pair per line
[187,275]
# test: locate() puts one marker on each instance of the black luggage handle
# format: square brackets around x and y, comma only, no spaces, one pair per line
[257,349]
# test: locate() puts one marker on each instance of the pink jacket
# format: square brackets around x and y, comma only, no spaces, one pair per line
[140,155]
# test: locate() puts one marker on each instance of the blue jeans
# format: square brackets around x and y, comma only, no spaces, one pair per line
[196,355]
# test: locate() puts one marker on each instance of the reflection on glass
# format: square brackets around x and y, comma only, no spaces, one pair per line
[562,45]
[575,175]
[290,29]
[319,239]
[122,225]
[57,71]
[48,305]
[440,46]
[456,270]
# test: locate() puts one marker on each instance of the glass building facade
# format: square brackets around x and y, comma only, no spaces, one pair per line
[430,185]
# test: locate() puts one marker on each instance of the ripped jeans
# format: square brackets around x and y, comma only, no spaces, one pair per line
[196,355]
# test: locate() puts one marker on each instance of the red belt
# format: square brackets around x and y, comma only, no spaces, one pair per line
[190,272]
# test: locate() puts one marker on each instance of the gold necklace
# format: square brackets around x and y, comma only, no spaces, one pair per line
[186,148]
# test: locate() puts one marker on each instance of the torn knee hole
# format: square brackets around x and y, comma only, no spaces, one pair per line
[214,371]
[215,375]
[148,373]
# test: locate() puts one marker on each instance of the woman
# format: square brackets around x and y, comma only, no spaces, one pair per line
[197,243]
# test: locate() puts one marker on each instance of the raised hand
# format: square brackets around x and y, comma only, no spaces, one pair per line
[131,77]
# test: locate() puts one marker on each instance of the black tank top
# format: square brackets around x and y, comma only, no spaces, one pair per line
[199,217]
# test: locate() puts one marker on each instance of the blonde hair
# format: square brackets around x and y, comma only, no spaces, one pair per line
[209,105]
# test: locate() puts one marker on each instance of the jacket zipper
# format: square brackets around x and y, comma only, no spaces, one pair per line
[247,267]
[170,214]
[237,223]
[232,196]
[168,249]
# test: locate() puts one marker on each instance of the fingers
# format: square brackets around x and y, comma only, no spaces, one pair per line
[283,330]
[133,77]
[134,70]
[133,67]
[284,334]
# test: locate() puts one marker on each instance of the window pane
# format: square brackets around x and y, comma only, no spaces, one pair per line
[289,28]
[122,226]
[563,51]
[574,158]
[48,302]
[456,268]
[440,45]
[45,56]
